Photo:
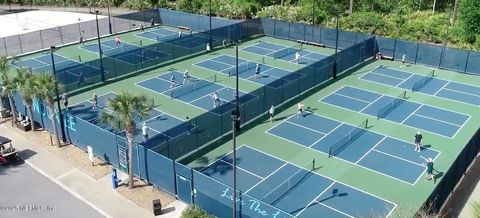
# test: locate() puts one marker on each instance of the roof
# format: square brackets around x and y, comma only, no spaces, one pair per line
[4,140]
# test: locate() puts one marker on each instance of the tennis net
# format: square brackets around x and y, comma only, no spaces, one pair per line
[423,81]
[231,71]
[383,111]
[347,139]
[291,182]
[192,86]
[286,51]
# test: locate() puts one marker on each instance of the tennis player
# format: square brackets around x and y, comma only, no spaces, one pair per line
[271,112]
[297,57]
[300,108]
[186,77]
[173,82]
[81,79]
[257,71]
[208,48]
[403,60]
[118,42]
[216,99]
[82,34]
[418,141]
[94,100]
[429,165]
[65,100]
[145,132]
[179,33]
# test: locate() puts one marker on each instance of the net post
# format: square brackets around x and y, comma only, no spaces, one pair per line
[158,38]
[79,58]
[404,94]
[433,73]
[366,123]
[215,78]
[141,43]
[313,164]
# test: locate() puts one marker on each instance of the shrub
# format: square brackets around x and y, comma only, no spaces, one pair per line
[193,211]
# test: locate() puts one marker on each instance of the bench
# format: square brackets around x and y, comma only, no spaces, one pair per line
[387,58]
[310,43]
[184,28]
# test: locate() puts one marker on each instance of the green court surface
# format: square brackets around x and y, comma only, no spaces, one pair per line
[394,175]
[370,162]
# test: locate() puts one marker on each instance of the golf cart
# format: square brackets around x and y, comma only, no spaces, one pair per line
[7,154]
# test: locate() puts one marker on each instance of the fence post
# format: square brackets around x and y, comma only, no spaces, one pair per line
[466,62]
[20,43]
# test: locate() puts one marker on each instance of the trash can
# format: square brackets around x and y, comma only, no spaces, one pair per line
[114,178]
[157,207]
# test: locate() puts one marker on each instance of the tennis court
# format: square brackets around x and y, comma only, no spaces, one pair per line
[427,84]
[357,145]
[68,71]
[269,76]
[281,52]
[162,126]
[435,120]
[126,52]
[296,190]
[197,92]
[186,40]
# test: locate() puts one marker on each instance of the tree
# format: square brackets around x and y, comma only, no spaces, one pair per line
[350,9]
[455,11]
[24,82]
[470,18]
[8,85]
[45,90]
[476,209]
[126,109]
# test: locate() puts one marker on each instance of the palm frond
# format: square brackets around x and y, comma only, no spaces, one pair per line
[45,86]
[125,110]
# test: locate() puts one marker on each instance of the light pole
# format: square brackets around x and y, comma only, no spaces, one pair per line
[235,128]
[445,41]
[102,71]
[336,46]
[210,23]
[109,22]
[60,115]
[313,13]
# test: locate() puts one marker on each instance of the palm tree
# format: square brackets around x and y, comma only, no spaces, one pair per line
[8,85]
[125,110]
[455,11]
[350,8]
[25,85]
[45,89]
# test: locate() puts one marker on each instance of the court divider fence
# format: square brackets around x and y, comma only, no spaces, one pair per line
[430,55]
[158,163]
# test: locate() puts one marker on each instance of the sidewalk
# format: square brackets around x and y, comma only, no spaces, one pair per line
[98,194]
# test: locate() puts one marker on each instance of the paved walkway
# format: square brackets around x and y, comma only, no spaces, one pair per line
[96,193]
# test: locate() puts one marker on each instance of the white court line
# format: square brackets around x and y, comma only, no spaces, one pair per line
[336,210]
[324,176]
[409,161]
[443,87]
[315,198]
[405,80]
[431,118]
[267,177]
[449,99]
[354,98]
[321,101]
[466,93]
[253,174]
[286,121]
[373,148]
[342,123]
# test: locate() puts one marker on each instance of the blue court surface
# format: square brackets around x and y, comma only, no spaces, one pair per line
[388,156]
[432,119]
[284,53]
[126,52]
[197,92]
[68,71]
[162,126]
[186,40]
[269,76]
[432,86]
[295,190]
